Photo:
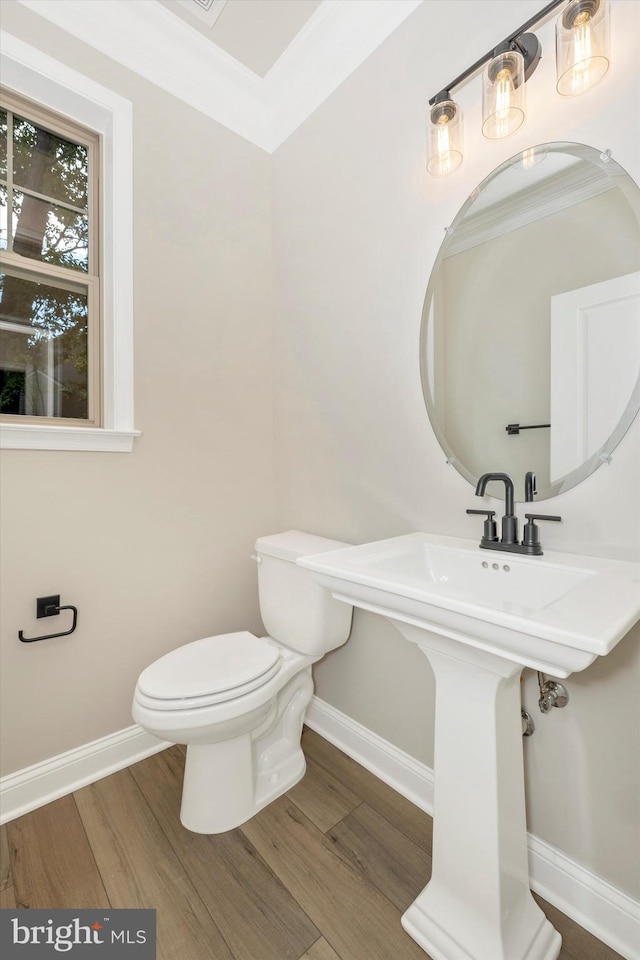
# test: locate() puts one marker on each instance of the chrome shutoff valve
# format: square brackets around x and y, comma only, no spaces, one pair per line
[552,694]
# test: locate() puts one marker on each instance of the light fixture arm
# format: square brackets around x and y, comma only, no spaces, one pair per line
[518,40]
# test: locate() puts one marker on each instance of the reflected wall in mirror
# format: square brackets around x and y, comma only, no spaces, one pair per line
[532,320]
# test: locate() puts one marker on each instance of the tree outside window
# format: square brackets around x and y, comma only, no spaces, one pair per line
[49,294]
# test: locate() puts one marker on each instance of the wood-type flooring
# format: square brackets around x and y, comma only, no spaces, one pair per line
[323,873]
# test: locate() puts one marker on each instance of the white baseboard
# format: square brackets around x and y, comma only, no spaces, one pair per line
[414,780]
[34,786]
[599,907]
[595,904]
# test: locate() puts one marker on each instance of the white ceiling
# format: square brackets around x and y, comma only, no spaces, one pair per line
[227,70]
[255,32]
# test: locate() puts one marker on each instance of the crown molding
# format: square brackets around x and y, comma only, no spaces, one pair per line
[335,41]
[148,39]
[544,199]
[145,37]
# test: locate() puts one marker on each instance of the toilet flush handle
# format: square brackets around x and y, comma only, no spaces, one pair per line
[254,556]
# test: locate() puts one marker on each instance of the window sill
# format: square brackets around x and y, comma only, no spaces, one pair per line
[14,436]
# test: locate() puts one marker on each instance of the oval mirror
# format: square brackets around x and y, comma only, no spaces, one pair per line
[530,341]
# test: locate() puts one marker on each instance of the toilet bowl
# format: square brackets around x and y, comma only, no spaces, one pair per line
[238,701]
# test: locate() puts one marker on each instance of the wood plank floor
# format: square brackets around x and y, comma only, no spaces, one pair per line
[323,873]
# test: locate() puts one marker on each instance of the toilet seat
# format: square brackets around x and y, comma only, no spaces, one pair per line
[208,671]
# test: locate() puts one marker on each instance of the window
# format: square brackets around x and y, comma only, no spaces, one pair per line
[49,257]
[93,114]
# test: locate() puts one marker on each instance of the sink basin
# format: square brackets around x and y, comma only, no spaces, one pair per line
[479,616]
[554,613]
[464,574]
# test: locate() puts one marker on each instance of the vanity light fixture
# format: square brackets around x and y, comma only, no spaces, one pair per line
[582,46]
[503,95]
[446,136]
[582,58]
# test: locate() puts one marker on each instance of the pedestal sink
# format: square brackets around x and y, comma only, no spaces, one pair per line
[480,617]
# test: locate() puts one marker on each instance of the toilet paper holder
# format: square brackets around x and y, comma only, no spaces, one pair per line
[50,607]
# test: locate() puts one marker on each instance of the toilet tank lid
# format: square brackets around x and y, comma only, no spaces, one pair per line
[294,544]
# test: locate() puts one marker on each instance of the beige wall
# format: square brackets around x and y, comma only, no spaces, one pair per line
[357,226]
[153,547]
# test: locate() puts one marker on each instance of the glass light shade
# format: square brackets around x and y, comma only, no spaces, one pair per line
[445,138]
[503,96]
[582,46]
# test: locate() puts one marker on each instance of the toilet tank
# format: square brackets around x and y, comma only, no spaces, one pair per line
[295,609]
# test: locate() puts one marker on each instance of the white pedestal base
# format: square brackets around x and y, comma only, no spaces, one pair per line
[478,905]
[440,945]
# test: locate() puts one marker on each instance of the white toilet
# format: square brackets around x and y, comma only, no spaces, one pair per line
[238,701]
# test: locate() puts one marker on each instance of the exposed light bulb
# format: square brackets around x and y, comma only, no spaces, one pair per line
[582,38]
[503,95]
[444,143]
[504,98]
[582,53]
[582,46]
[446,138]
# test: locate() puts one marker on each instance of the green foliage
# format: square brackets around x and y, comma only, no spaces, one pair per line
[53,227]
[12,387]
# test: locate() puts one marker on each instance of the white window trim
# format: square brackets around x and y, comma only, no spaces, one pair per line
[34,74]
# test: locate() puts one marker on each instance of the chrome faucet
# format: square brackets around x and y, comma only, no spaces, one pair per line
[509,540]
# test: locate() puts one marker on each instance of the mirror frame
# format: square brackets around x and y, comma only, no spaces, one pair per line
[603,455]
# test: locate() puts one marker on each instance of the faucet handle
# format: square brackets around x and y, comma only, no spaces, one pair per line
[531,536]
[490,532]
